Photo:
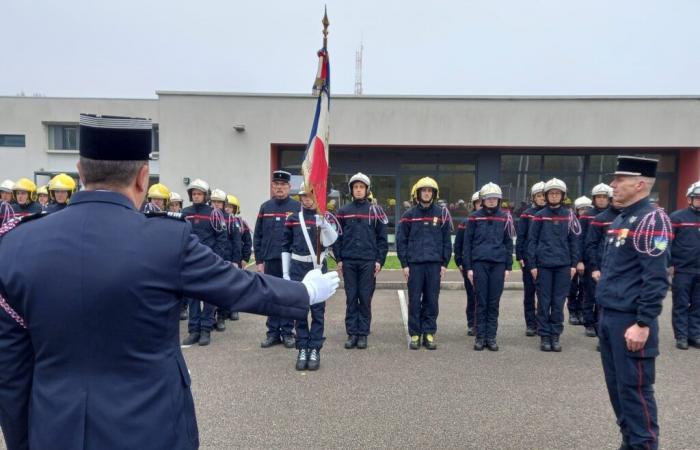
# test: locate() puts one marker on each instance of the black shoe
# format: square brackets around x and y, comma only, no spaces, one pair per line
[362,342]
[429,341]
[597,348]
[220,323]
[415,343]
[530,332]
[492,345]
[556,346]
[573,319]
[288,341]
[545,344]
[470,331]
[590,332]
[694,341]
[191,339]
[351,342]
[183,314]
[302,359]
[314,359]
[682,344]
[270,341]
[234,316]
[624,446]
[205,338]
[479,345]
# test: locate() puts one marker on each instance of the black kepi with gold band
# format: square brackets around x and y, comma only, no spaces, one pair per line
[636,166]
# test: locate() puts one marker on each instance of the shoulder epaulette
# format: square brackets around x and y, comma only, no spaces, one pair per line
[168,214]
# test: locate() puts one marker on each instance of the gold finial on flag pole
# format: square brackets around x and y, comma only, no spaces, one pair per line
[325,23]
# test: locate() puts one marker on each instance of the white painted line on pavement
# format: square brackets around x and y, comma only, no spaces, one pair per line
[404,314]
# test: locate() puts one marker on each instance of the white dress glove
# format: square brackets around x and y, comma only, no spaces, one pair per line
[286,262]
[328,233]
[320,286]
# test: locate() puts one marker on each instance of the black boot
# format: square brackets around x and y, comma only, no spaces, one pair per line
[205,338]
[288,341]
[590,332]
[183,313]
[302,359]
[220,322]
[530,331]
[492,345]
[694,341]
[191,339]
[270,341]
[234,315]
[573,319]
[682,344]
[351,342]
[479,345]
[362,342]
[429,341]
[314,359]
[470,331]
[556,346]
[545,344]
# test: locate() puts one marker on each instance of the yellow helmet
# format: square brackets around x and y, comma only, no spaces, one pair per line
[62,182]
[218,195]
[392,202]
[159,191]
[427,182]
[233,200]
[42,190]
[27,185]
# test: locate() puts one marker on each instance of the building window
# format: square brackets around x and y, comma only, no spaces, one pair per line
[155,140]
[63,137]
[12,140]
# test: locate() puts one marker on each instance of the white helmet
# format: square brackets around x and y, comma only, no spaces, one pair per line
[302,189]
[555,183]
[218,195]
[361,177]
[601,189]
[199,185]
[694,190]
[490,190]
[537,188]
[7,185]
[175,197]
[582,202]
[475,196]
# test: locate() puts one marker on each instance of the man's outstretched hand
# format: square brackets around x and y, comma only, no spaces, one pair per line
[320,286]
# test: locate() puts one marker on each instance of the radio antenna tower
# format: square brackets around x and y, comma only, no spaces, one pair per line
[358,70]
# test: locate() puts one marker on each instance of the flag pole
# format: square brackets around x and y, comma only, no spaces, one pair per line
[325,23]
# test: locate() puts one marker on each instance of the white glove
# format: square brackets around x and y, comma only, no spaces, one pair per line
[286,262]
[320,286]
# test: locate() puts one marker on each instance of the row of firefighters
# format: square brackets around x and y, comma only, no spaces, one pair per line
[559,250]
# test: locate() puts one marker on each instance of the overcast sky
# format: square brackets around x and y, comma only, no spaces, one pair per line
[132,48]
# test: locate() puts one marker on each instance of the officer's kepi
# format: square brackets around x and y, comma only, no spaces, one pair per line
[113,138]
[281,175]
[636,166]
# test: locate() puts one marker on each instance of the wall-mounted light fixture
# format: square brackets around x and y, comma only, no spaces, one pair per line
[239,127]
[186,181]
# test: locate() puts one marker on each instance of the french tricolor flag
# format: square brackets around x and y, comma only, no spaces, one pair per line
[315,165]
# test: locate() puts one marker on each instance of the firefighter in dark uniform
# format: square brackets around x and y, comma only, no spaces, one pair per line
[630,293]
[360,251]
[529,289]
[267,244]
[210,228]
[117,379]
[6,200]
[458,250]
[233,248]
[424,248]
[575,299]
[25,198]
[552,254]
[175,202]
[233,207]
[42,197]
[299,257]
[488,260]
[593,246]
[685,253]
[61,187]
[157,198]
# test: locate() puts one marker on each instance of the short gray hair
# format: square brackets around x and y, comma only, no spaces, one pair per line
[109,174]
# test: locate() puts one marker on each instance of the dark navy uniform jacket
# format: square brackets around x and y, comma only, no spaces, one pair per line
[269,228]
[199,216]
[100,365]
[522,229]
[685,251]
[458,247]
[234,244]
[55,207]
[596,237]
[423,236]
[246,237]
[486,239]
[632,281]
[585,219]
[293,240]
[27,209]
[550,243]
[364,238]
